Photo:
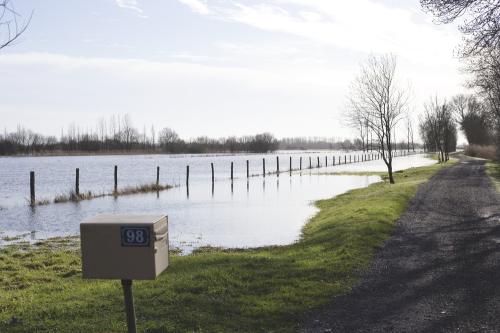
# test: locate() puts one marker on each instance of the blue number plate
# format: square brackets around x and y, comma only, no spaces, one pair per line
[135,236]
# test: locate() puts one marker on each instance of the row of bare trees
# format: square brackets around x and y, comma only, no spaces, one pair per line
[479,115]
[378,104]
[119,135]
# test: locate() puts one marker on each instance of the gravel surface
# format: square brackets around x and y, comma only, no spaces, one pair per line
[439,272]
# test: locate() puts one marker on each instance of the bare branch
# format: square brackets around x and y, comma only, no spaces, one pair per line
[10,27]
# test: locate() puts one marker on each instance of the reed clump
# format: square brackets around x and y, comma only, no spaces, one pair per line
[146,188]
[72,196]
[41,202]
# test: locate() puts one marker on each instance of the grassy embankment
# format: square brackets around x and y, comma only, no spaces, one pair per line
[254,290]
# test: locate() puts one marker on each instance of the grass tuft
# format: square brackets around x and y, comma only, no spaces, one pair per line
[146,188]
[73,197]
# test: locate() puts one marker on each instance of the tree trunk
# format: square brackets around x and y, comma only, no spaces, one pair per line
[389,170]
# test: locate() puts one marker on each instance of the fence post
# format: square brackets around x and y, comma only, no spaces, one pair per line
[248,169]
[187,175]
[116,178]
[333,160]
[345,159]
[290,165]
[77,181]
[157,176]
[263,167]
[350,158]
[326,161]
[277,166]
[300,164]
[213,174]
[318,161]
[232,171]
[32,188]
[310,162]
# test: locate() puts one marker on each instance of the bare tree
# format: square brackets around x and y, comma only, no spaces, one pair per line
[10,26]
[481,25]
[437,128]
[409,133]
[474,119]
[377,100]
[153,136]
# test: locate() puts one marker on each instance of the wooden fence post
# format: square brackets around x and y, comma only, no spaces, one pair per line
[290,165]
[77,181]
[116,178]
[248,169]
[157,176]
[232,171]
[326,161]
[318,161]
[213,173]
[310,163]
[277,166]
[32,188]
[263,167]
[187,175]
[300,164]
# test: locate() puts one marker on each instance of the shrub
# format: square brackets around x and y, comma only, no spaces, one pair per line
[488,152]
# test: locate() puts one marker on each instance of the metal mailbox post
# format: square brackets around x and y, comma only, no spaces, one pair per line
[125,247]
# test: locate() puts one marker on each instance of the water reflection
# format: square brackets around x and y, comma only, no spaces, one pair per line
[199,215]
[271,215]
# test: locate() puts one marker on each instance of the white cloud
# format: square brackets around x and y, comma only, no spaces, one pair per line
[362,25]
[171,94]
[131,5]
[197,6]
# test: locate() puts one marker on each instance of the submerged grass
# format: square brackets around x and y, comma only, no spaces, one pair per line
[265,289]
[146,188]
[73,197]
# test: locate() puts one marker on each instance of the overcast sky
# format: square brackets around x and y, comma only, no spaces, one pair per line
[215,67]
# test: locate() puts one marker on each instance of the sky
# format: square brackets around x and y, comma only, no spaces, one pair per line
[216,67]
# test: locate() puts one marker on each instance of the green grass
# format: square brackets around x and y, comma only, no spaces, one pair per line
[254,290]
[493,170]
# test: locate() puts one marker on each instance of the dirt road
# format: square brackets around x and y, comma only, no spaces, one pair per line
[439,272]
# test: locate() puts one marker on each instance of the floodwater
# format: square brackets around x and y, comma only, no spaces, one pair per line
[262,211]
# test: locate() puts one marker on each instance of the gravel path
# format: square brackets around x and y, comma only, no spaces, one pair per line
[439,272]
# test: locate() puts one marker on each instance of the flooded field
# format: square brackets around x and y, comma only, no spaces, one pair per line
[261,211]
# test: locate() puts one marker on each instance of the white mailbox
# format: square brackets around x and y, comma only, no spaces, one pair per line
[127,247]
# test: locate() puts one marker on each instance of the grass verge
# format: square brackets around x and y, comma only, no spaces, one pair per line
[265,289]
[493,170]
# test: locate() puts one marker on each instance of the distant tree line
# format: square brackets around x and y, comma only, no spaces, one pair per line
[118,135]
